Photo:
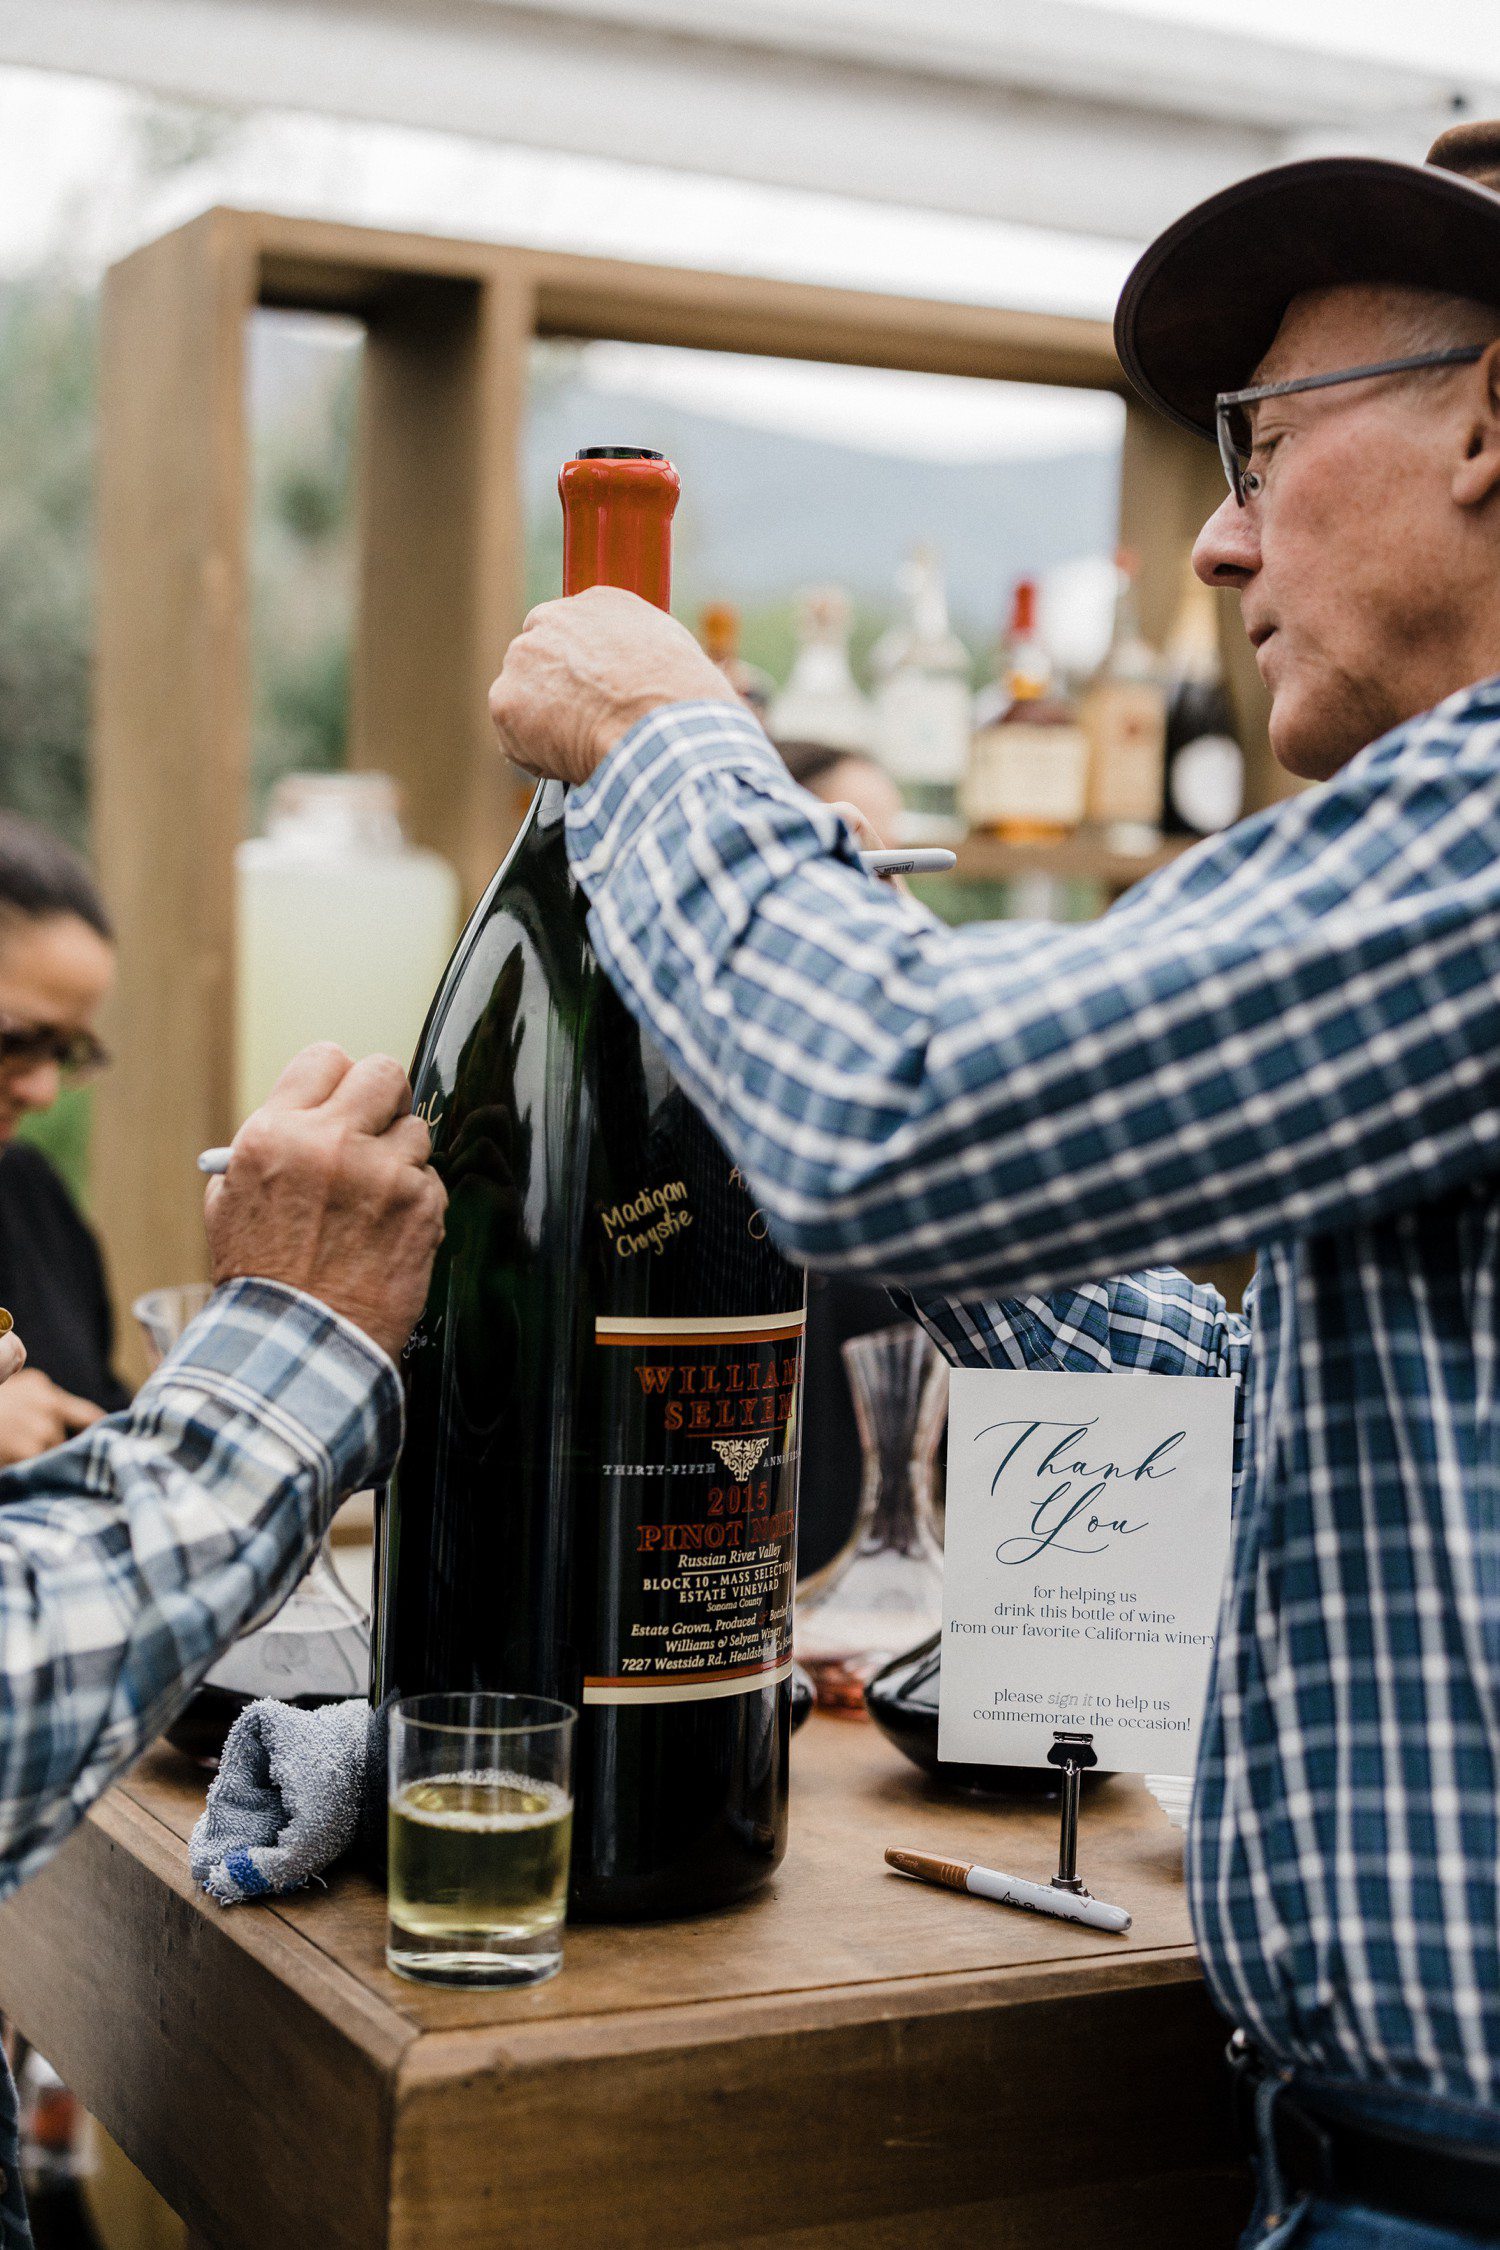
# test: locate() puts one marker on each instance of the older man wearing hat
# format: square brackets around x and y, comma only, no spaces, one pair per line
[1289,1040]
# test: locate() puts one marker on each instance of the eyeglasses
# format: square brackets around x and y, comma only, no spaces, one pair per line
[1236,441]
[23,1046]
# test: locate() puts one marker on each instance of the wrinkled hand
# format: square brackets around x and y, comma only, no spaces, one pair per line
[329,1190]
[582,672]
[35,1414]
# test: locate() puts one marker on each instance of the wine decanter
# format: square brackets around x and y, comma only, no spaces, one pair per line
[883,1591]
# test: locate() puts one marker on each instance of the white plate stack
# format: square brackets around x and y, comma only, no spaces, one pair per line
[1174,1793]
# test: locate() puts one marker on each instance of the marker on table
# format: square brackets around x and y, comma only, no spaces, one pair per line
[929,860]
[1010,1890]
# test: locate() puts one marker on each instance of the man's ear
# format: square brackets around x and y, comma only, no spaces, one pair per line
[1476,480]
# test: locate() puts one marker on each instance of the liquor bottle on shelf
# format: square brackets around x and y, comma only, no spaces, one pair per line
[922,699]
[821,701]
[719,632]
[1028,761]
[1205,784]
[596,1501]
[1124,714]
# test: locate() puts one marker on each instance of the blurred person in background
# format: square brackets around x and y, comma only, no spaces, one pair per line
[57,962]
[858,785]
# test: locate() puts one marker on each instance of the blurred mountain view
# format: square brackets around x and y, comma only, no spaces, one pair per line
[763,512]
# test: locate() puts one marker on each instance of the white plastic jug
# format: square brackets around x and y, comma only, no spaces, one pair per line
[343,927]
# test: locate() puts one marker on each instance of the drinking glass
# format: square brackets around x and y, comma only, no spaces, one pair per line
[481,1821]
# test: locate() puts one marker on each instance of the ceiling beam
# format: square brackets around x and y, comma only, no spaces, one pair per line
[1054,114]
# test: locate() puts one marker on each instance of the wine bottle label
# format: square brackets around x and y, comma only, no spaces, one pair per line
[1126,725]
[1021,772]
[702,1506]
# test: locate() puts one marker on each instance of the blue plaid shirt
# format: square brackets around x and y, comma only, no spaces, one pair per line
[131,1557]
[1289,1040]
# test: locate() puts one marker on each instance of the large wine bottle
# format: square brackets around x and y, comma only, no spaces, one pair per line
[597,1496]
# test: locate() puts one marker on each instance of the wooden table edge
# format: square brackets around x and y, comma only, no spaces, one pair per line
[510,2048]
[418,2054]
[368,2020]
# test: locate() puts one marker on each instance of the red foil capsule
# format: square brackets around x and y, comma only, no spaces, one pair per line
[617,503]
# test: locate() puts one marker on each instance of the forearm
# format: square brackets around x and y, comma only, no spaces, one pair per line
[130,1558]
[1249,1048]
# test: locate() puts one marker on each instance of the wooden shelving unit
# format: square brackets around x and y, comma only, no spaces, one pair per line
[1080,859]
[448,327]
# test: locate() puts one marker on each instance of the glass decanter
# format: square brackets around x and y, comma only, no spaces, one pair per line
[883,1591]
[311,1647]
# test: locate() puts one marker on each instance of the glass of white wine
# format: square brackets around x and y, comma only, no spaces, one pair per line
[481,1821]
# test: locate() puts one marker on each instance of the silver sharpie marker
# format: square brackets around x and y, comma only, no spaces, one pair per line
[929,860]
[1010,1890]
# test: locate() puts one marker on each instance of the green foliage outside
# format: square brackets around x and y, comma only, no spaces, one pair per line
[62,1135]
[46,481]
[301,567]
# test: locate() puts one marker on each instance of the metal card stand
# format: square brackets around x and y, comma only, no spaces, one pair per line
[1073,1753]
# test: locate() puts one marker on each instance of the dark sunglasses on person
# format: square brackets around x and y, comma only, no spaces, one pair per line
[1232,420]
[23,1046]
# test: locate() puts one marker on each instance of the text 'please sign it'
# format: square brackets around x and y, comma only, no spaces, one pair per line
[1087,1534]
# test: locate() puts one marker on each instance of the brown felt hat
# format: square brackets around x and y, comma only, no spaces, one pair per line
[1202,305]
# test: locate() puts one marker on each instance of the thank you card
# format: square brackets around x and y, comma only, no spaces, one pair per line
[1087,1535]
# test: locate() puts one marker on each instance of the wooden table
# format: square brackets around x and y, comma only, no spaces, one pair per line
[850,2062]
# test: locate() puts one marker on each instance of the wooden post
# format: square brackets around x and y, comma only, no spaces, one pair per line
[439,593]
[440,544]
[171,728]
[1170,484]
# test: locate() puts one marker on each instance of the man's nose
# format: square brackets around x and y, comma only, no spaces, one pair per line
[1227,549]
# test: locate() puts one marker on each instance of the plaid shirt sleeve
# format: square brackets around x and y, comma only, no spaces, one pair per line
[1152,1323]
[132,1556]
[1295,1027]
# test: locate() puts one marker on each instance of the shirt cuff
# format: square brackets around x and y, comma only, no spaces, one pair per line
[293,1362]
[679,743]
